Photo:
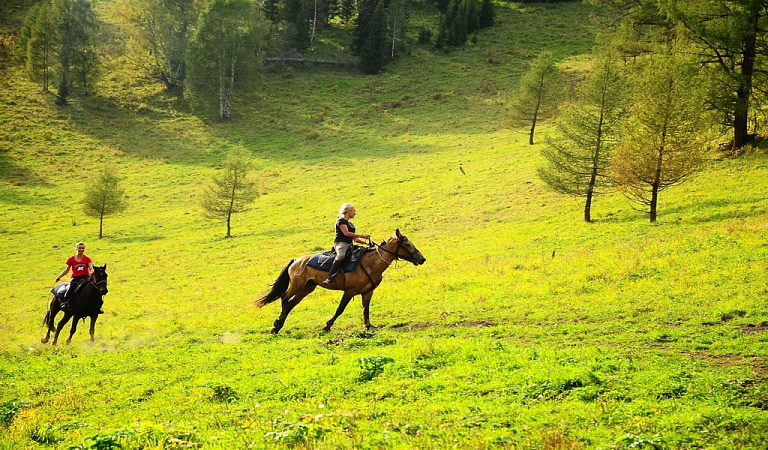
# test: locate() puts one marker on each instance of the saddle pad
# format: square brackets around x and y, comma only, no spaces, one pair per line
[323,261]
[60,289]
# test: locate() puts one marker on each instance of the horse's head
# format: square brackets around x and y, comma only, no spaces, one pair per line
[405,249]
[99,279]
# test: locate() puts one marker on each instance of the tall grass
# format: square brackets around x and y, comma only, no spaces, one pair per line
[526,328]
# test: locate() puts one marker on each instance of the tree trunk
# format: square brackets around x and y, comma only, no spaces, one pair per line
[101,226]
[588,206]
[741,135]
[533,127]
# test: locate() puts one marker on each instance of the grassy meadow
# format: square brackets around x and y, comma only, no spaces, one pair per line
[526,328]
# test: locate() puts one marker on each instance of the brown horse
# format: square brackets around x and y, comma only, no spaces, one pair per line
[85,303]
[297,280]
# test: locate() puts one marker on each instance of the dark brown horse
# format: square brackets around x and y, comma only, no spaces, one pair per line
[85,303]
[297,280]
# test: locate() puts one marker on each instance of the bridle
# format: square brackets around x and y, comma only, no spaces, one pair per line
[96,284]
[379,248]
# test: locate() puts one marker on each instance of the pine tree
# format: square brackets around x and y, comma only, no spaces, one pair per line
[373,55]
[487,14]
[75,31]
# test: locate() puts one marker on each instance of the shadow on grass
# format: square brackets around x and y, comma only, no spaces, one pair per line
[717,210]
[132,239]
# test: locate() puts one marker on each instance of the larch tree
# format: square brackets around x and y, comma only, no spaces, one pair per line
[222,54]
[578,157]
[666,132]
[232,191]
[538,95]
[104,197]
[731,38]
[728,38]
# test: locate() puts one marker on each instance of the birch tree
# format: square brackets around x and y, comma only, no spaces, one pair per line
[39,44]
[398,21]
[158,32]
[222,54]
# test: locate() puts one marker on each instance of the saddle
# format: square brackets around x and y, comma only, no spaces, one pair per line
[324,260]
[61,290]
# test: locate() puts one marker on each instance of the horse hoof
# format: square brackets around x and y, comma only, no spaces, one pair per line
[274,330]
[327,330]
[44,340]
[371,328]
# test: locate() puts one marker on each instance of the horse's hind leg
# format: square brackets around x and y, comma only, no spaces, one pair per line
[289,302]
[53,309]
[342,306]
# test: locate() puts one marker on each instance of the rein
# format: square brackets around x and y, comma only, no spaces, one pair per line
[374,285]
[96,283]
[397,249]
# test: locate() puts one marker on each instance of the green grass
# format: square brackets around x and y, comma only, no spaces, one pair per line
[526,328]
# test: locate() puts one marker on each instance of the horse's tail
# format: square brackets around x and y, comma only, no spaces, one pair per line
[47,317]
[279,287]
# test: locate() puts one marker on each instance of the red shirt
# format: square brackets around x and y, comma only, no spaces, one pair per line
[80,268]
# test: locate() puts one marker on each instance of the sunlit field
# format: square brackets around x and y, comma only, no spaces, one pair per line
[526,327]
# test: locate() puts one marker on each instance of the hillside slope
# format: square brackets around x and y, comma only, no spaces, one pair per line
[526,328]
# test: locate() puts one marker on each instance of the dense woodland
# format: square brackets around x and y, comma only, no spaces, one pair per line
[671,79]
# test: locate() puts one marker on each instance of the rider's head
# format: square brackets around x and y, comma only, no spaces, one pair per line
[345,208]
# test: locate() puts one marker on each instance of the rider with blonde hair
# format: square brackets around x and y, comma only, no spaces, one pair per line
[345,238]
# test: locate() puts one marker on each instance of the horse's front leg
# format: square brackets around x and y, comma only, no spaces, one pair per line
[93,326]
[366,310]
[342,305]
[62,322]
[72,329]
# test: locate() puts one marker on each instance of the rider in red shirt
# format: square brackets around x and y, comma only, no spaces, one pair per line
[82,268]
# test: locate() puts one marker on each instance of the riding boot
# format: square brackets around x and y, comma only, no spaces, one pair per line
[63,303]
[335,267]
